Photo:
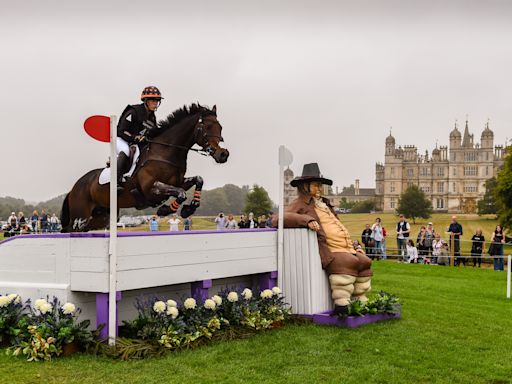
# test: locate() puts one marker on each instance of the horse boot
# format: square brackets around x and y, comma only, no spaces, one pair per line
[362,286]
[342,287]
[123,163]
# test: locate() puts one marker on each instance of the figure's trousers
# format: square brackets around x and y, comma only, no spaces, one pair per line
[346,287]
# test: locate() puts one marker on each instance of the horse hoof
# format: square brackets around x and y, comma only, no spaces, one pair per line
[164,210]
[187,210]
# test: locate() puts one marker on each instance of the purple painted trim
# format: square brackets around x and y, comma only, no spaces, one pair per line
[267,280]
[131,234]
[102,313]
[325,318]
[200,289]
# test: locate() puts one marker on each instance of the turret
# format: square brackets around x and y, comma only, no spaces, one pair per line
[487,138]
[455,137]
[390,145]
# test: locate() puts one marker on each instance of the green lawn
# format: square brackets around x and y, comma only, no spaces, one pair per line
[456,328]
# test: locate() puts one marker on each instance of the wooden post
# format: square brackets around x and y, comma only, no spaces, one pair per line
[452,249]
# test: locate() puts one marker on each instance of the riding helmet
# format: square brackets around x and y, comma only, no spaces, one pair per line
[151,92]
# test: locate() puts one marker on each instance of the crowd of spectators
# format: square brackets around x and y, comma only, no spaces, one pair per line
[428,247]
[36,223]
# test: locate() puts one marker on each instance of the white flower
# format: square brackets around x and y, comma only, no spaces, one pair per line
[276,290]
[171,303]
[14,297]
[209,304]
[45,308]
[267,293]
[190,303]
[68,308]
[173,312]
[232,297]
[159,307]
[38,303]
[217,299]
[4,301]
[247,294]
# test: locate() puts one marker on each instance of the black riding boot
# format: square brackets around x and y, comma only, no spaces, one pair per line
[123,162]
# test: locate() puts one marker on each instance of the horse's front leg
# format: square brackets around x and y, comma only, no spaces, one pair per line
[162,189]
[188,183]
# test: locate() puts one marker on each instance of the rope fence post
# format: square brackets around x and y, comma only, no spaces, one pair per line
[452,250]
[509,268]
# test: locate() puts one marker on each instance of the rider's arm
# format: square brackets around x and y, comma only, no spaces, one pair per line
[125,126]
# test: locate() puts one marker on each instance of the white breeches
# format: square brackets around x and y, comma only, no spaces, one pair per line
[122,146]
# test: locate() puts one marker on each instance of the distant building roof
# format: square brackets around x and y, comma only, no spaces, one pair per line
[351,191]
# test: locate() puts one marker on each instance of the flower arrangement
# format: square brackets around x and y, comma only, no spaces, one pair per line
[383,302]
[40,332]
[166,325]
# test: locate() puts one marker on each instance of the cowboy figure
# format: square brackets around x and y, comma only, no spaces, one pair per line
[137,122]
[349,269]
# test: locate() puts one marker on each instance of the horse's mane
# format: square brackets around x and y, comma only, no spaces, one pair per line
[178,115]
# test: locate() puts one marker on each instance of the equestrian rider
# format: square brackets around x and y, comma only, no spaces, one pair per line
[135,124]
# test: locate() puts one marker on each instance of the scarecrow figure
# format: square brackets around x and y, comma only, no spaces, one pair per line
[349,269]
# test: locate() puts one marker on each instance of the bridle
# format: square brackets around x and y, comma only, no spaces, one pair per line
[200,133]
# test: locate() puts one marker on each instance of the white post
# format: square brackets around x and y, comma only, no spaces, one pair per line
[112,246]
[285,159]
[509,267]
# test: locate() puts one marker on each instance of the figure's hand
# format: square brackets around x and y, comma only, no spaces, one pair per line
[314,226]
[140,138]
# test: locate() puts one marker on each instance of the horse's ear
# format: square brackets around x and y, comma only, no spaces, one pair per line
[214,109]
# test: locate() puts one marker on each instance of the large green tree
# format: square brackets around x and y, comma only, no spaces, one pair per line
[503,192]
[413,203]
[488,204]
[258,201]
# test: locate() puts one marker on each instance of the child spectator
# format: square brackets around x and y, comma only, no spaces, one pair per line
[477,247]
[34,219]
[187,224]
[174,223]
[412,252]
[437,245]
[153,224]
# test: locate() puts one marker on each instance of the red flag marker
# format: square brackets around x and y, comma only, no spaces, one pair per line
[98,127]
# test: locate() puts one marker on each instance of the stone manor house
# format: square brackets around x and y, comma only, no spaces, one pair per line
[452,177]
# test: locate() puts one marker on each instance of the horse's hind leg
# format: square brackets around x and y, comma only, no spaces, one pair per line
[189,209]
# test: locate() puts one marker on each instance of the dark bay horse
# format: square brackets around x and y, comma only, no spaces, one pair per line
[159,174]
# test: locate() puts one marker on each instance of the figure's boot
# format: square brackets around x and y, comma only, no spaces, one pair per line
[362,286]
[123,162]
[342,287]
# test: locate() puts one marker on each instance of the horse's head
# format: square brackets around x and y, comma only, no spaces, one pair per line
[208,134]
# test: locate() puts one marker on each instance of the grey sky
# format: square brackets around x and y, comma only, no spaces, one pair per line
[326,79]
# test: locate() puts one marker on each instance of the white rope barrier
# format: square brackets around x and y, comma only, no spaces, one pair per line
[509,267]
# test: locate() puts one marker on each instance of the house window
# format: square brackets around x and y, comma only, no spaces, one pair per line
[425,188]
[440,187]
[454,171]
[392,203]
[487,171]
[470,188]
[487,156]
[410,184]
[440,203]
[470,170]
[392,172]
[392,187]
[410,172]
[470,156]
[440,172]
[454,187]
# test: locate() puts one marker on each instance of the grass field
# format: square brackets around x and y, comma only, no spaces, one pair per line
[455,329]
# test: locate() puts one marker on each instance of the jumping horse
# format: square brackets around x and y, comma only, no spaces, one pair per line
[158,176]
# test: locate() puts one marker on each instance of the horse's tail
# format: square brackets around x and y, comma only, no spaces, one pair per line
[64,215]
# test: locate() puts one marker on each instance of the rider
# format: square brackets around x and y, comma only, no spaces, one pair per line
[135,124]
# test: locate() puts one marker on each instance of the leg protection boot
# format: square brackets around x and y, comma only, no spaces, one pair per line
[342,287]
[362,286]
[123,162]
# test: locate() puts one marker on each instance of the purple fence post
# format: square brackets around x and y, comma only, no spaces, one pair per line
[199,289]
[268,280]
[102,313]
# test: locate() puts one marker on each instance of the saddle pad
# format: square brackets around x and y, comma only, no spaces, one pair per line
[105,174]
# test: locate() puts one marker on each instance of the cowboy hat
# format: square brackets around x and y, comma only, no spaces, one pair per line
[310,172]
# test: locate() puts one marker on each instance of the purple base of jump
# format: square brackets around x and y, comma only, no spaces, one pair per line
[268,280]
[102,313]
[325,318]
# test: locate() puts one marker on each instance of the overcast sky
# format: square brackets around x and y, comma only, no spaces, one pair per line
[325,78]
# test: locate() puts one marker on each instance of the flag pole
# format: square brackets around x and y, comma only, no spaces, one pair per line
[112,247]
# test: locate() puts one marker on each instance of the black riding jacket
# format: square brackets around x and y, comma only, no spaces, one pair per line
[136,120]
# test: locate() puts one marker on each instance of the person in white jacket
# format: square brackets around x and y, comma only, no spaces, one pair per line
[412,252]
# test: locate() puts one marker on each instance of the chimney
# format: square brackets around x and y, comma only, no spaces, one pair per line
[357,187]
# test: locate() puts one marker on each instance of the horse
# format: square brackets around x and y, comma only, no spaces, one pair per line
[159,173]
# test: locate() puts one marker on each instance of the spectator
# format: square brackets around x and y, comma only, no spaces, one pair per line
[13,221]
[174,223]
[455,230]
[402,234]
[444,254]
[496,248]
[377,237]
[187,224]
[477,247]
[231,222]
[262,222]
[420,242]
[383,245]
[412,252]
[366,237]
[251,222]
[43,220]
[153,224]
[21,219]
[34,219]
[429,238]
[356,244]
[243,222]
[220,220]
[268,224]
[437,245]
[54,223]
